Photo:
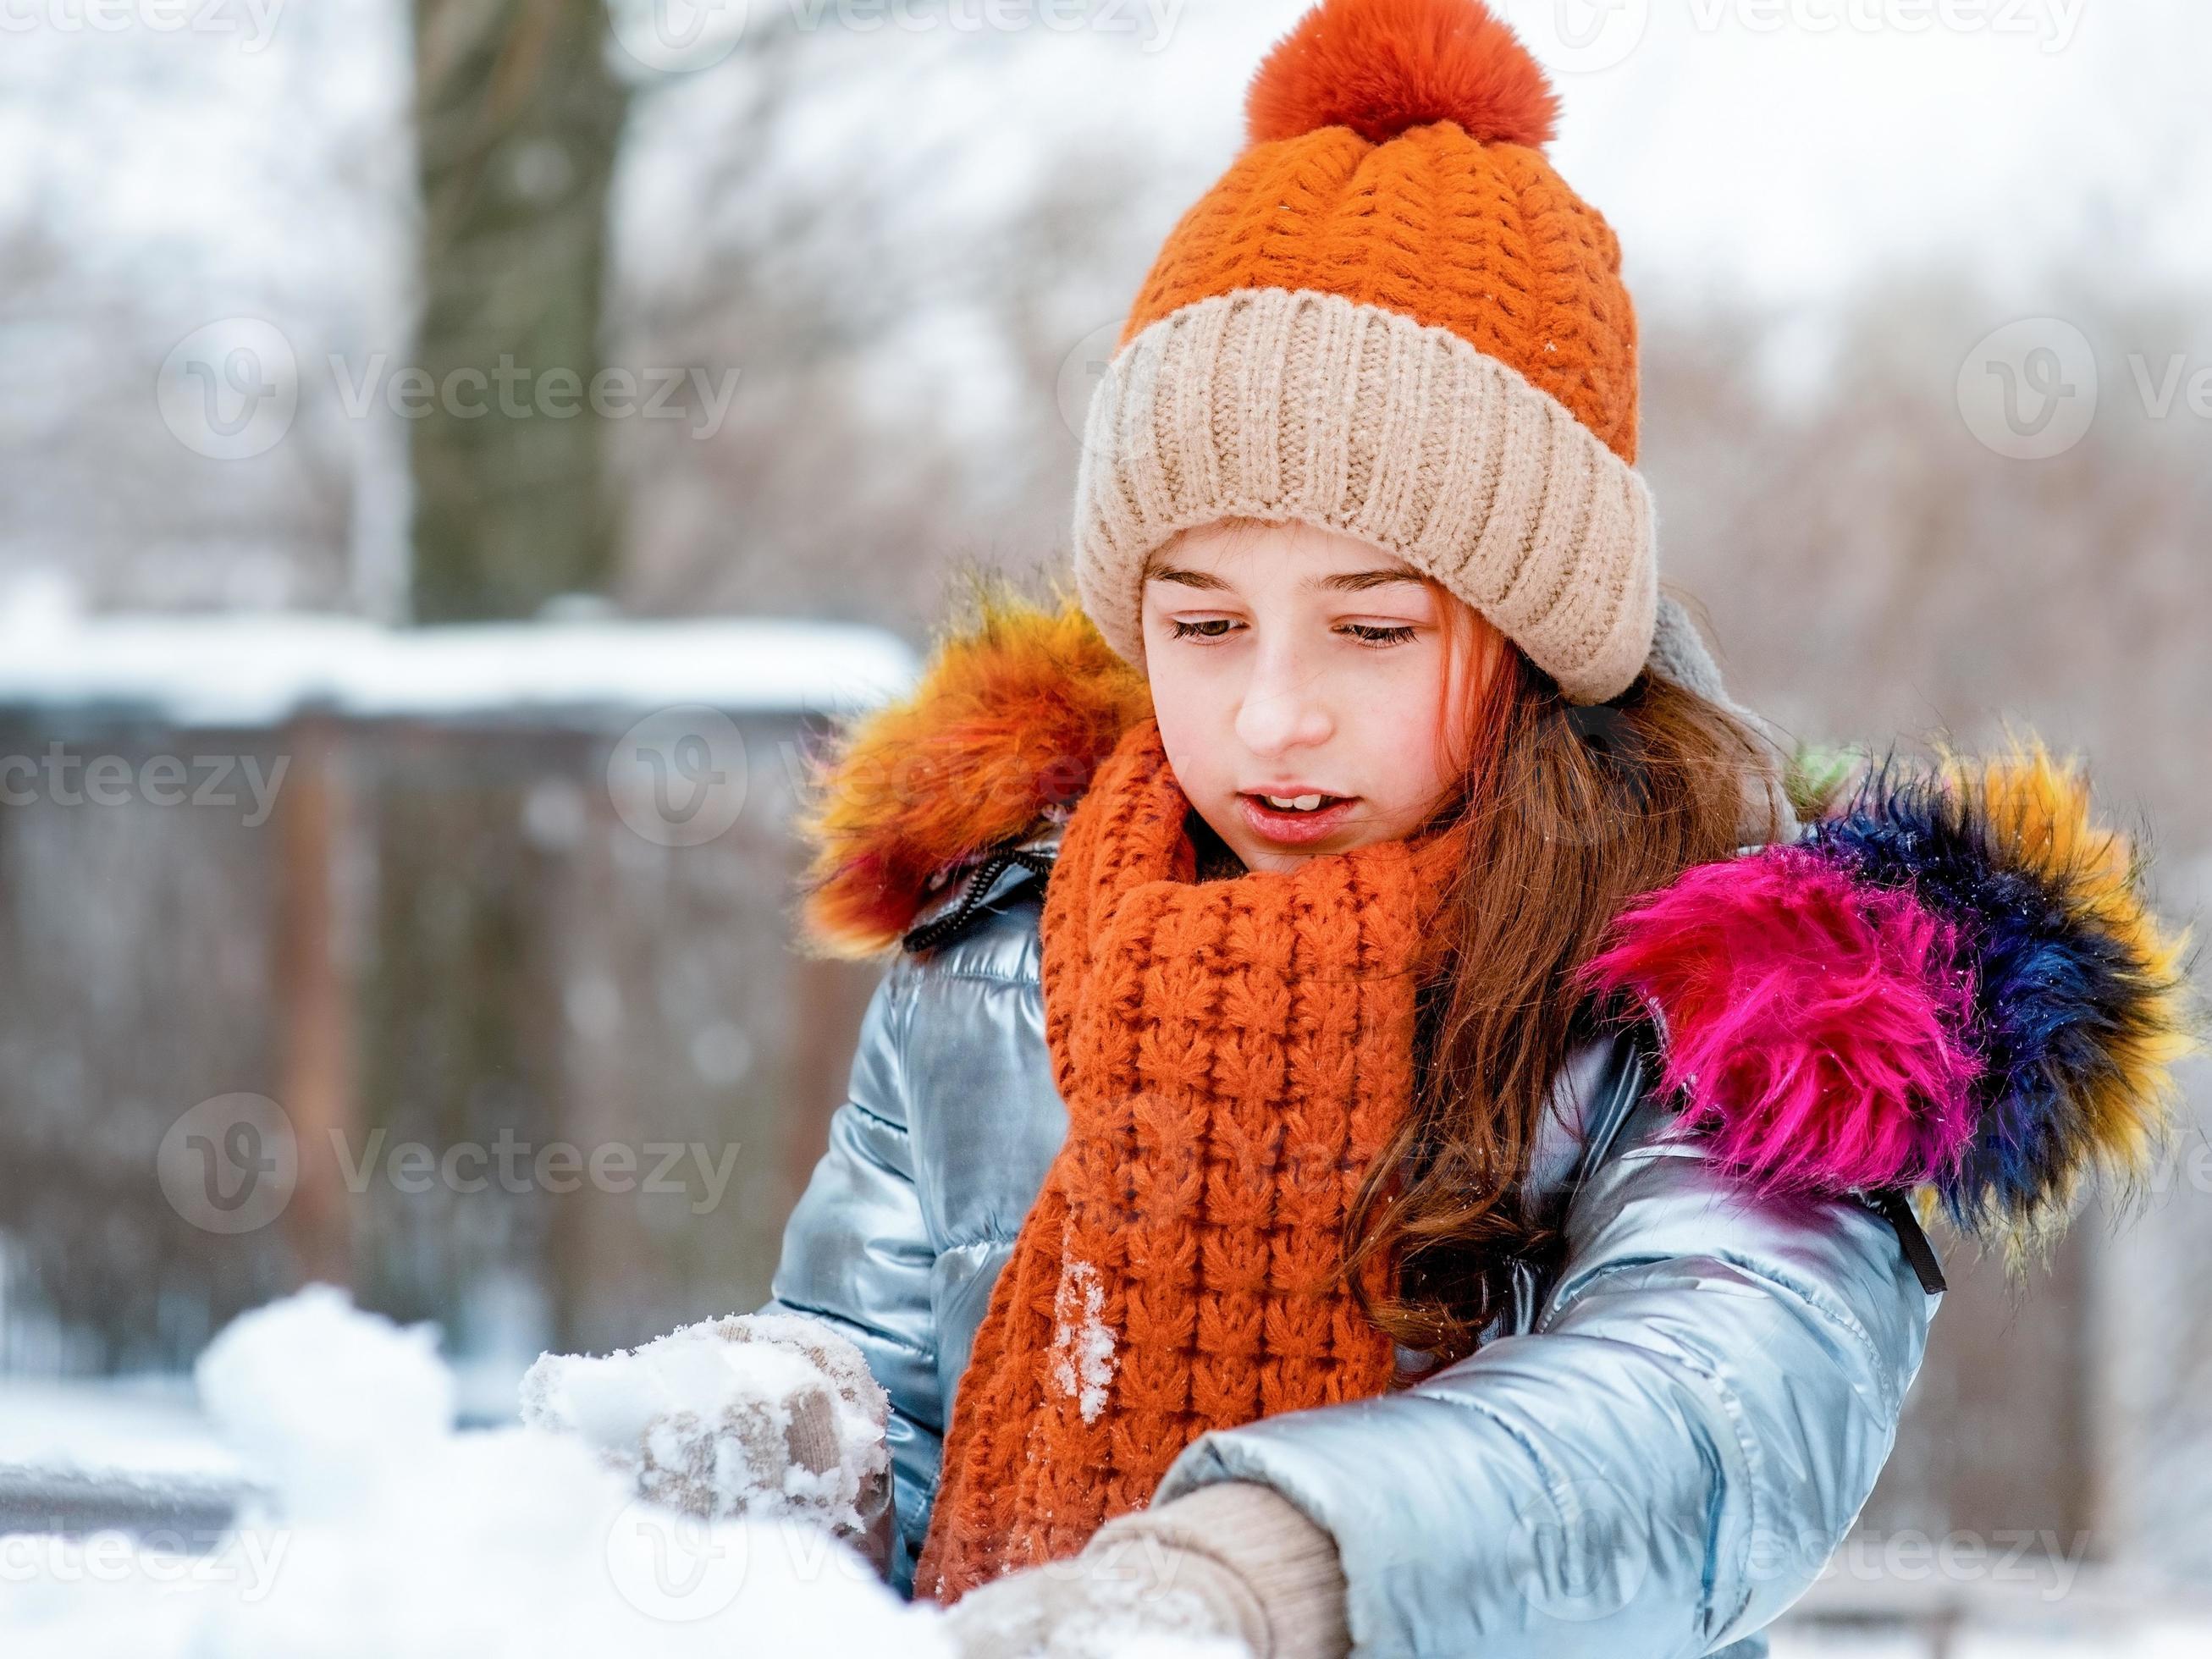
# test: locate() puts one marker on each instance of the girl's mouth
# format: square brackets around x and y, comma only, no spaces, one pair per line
[1291,826]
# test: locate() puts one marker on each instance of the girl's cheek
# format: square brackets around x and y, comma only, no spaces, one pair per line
[1409,687]
[1407,728]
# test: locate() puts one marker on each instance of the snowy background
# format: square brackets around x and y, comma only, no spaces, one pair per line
[527,873]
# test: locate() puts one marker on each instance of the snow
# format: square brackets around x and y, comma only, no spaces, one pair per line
[251,671]
[1082,1343]
[313,1393]
[2154,1638]
[389,1534]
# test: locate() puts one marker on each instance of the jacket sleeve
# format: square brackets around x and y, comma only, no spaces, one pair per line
[857,1254]
[1660,1465]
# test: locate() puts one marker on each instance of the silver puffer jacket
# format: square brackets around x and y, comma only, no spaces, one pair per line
[1653,1455]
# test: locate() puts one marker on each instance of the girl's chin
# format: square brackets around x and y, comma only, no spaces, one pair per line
[1274,863]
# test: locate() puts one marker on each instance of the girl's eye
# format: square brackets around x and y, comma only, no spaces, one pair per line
[1373,634]
[1212,628]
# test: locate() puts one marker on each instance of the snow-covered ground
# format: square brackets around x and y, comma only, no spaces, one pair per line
[389,1532]
[383,1532]
[1802,1643]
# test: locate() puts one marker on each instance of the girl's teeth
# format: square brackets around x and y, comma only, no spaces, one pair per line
[1293,803]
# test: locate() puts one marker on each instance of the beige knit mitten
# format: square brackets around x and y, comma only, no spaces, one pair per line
[758,1416]
[1233,1563]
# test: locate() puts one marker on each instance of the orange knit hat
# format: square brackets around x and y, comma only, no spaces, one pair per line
[1391,318]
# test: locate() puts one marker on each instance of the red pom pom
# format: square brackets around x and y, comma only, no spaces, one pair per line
[1382,66]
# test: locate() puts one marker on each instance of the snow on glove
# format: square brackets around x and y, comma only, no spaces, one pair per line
[752,1416]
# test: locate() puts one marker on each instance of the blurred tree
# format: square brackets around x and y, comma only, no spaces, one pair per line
[518,118]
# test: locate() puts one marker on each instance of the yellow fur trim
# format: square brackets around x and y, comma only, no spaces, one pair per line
[2040,816]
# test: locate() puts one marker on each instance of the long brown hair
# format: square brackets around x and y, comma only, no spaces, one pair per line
[1572,811]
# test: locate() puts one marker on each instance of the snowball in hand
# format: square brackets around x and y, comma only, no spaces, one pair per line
[765,1416]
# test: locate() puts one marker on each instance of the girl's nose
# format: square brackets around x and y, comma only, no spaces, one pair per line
[1283,706]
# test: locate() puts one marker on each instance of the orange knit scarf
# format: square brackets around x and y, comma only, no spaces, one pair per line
[1233,1055]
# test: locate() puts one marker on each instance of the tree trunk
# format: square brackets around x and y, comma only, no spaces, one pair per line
[518,118]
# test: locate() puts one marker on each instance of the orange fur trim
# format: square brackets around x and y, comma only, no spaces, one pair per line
[1016,708]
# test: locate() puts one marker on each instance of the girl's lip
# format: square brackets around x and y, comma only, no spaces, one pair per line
[1293,828]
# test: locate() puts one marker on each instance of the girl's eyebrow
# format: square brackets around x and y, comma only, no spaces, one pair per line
[1358,581]
[1188,578]
[1345,581]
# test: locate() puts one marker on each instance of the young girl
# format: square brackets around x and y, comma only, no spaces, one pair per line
[1382,1133]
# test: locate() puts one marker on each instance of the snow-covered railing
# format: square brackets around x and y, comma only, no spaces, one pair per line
[133,1455]
[255,672]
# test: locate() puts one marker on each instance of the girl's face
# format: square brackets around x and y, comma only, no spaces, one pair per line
[1291,662]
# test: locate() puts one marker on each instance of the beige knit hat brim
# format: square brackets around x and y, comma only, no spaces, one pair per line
[1282,405]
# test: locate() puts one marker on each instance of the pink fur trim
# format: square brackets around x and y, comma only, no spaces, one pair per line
[1815,1026]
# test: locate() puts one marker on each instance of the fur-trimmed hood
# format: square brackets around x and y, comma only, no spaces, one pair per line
[1016,707]
[1950,983]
